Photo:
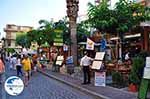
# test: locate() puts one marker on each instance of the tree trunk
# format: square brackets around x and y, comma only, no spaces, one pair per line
[73,30]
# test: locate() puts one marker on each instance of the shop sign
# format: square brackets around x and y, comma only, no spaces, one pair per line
[58,40]
[146,73]
[89,44]
[147,61]
[100,78]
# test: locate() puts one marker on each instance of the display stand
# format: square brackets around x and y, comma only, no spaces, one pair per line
[59,60]
[145,83]
[98,67]
[98,60]
[70,65]
[58,63]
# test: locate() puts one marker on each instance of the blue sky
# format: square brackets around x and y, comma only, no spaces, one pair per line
[29,12]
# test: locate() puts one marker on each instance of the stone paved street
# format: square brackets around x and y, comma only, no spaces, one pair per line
[0,91]
[42,87]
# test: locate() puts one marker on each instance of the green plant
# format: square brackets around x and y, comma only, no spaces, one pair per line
[10,50]
[135,74]
[117,78]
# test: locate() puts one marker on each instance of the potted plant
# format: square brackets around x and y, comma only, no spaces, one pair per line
[117,78]
[135,74]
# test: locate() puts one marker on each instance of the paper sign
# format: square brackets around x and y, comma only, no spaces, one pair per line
[99,55]
[147,61]
[96,65]
[100,78]
[60,58]
[146,73]
[89,44]
[59,62]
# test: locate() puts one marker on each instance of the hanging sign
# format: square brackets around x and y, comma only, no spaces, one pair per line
[89,44]
[58,40]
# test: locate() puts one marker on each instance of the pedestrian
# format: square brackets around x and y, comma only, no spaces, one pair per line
[34,61]
[85,63]
[26,62]
[2,69]
[14,61]
[11,63]
[19,66]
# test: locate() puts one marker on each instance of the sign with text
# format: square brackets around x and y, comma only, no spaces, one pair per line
[96,65]
[59,63]
[146,73]
[147,61]
[89,44]
[100,78]
[99,55]
[58,40]
[59,60]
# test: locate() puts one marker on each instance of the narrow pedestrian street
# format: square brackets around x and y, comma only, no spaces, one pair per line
[42,87]
[0,90]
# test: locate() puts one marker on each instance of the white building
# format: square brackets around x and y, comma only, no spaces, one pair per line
[11,33]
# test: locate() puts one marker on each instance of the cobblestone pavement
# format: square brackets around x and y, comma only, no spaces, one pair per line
[108,92]
[0,91]
[42,87]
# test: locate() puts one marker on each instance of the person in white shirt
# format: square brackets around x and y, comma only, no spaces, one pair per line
[127,56]
[85,63]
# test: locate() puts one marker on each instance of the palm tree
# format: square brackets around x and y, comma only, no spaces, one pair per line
[72,11]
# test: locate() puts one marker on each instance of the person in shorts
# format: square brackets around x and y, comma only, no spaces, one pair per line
[26,62]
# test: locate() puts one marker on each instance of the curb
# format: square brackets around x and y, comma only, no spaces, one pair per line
[99,96]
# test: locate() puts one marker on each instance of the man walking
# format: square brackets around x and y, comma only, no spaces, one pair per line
[85,63]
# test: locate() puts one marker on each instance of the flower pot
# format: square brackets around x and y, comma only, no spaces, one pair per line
[132,88]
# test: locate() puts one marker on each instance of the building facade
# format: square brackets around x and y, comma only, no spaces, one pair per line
[11,33]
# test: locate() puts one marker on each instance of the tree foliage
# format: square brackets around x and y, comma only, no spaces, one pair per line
[121,19]
[36,36]
[129,15]
[46,31]
[82,31]
[23,40]
[101,17]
